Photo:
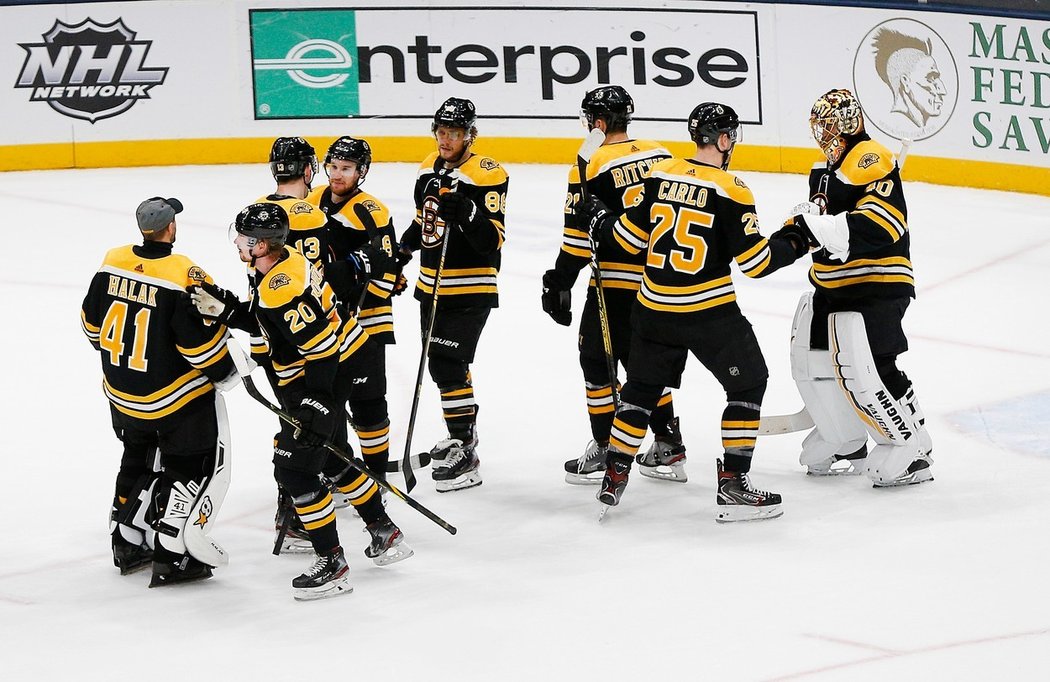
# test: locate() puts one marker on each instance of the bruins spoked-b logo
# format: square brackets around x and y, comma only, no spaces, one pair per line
[906,79]
[89,71]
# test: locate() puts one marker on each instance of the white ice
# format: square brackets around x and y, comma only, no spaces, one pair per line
[946,580]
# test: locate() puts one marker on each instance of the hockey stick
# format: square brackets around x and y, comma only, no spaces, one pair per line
[249,384]
[590,145]
[406,459]
[776,425]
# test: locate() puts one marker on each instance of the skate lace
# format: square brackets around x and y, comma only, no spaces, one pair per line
[745,484]
[319,566]
[455,456]
[591,454]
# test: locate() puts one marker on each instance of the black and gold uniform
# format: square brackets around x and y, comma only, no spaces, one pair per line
[876,278]
[314,353]
[692,222]
[307,226]
[468,288]
[354,224]
[160,365]
[614,174]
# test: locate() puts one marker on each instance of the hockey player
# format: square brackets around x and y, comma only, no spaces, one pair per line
[694,218]
[614,175]
[470,219]
[317,357]
[293,164]
[161,365]
[857,220]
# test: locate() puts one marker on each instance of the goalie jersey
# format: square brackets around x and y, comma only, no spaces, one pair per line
[158,357]
[472,261]
[300,323]
[692,222]
[615,175]
[866,185]
[351,225]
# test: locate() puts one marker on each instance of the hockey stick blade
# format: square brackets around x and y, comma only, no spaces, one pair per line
[779,424]
[590,145]
[249,384]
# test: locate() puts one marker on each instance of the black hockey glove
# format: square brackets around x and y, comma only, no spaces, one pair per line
[316,420]
[214,303]
[595,216]
[458,209]
[795,235]
[370,262]
[401,258]
[556,298]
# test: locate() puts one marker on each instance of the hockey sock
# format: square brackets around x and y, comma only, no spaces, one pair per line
[601,410]
[660,419]
[357,487]
[375,445]
[632,418]
[740,421]
[457,404]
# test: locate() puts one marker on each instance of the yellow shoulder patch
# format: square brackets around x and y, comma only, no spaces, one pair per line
[287,280]
[867,162]
[379,211]
[483,171]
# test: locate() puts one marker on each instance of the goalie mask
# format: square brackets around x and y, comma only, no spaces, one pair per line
[835,117]
[290,157]
[348,148]
[611,103]
[709,121]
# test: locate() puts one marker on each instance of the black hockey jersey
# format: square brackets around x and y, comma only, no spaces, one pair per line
[473,259]
[300,323]
[615,175]
[353,224]
[866,185]
[158,357]
[692,221]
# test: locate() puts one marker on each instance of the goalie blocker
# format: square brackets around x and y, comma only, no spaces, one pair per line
[849,401]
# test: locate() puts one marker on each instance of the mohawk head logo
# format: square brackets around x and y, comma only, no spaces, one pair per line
[279,280]
[89,71]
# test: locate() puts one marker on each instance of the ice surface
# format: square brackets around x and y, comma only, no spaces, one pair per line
[946,580]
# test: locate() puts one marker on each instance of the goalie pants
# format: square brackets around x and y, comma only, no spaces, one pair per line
[620,304]
[726,345]
[883,320]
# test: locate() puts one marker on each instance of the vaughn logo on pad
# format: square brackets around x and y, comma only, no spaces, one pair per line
[89,71]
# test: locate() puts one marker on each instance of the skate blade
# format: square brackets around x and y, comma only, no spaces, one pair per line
[296,547]
[843,467]
[398,552]
[921,476]
[170,581]
[603,511]
[464,482]
[584,479]
[739,512]
[334,589]
[129,569]
[674,473]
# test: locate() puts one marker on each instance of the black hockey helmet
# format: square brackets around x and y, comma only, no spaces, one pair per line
[710,119]
[609,102]
[348,148]
[290,156]
[456,113]
[263,221]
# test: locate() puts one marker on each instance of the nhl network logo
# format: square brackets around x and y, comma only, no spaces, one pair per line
[89,71]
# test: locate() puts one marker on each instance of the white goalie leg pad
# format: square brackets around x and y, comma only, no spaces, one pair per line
[888,421]
[199,544]
[837,428]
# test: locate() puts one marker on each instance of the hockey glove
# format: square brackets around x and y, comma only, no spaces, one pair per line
[214,303]
[795,235]
[458,209]
[401,259]
[370,262]
[556,298]
[595,216]
[830,232]
[316,421]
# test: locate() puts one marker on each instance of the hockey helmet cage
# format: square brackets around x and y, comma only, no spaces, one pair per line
[456,113]
[263,221]
[609,102]
[348,148]
[835,117]
[290,156]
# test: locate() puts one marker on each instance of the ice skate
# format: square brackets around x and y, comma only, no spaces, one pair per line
[738,500]
[588,468]
[183,570]
[455,464]
[388,544]
[917,472]
[130,557]
[615,481]
[840,465]
[665,458]
[328,577]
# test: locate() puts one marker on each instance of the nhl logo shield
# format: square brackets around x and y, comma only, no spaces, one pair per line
[89,70]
